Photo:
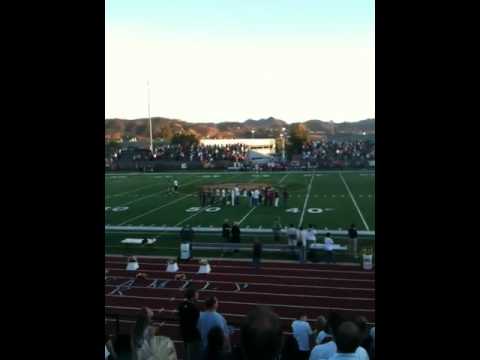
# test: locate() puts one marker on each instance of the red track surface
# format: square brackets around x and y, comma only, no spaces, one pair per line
[285,287]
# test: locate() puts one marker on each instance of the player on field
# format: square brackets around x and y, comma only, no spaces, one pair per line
[175,186]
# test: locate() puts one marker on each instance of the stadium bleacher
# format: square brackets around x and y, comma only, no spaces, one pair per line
[285,287]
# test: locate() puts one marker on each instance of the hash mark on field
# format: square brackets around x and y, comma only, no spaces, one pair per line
[354,202]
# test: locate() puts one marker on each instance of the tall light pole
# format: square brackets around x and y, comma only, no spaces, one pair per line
[149,118]
[283,135]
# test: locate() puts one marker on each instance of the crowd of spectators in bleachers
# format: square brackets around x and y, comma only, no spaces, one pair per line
[202,153]
[323,154]
[333,151]
[207,336]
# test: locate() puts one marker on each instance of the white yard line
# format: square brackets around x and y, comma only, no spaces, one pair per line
[130,191]
[237,172]
[354,202]
[202,210]
[251,210]
[283,178]
[192,216]
[155,209]
[306,201]
[157,193]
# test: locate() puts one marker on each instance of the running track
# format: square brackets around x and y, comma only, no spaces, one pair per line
[285,287]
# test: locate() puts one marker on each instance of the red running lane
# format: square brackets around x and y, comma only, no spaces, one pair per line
[257,287]
[260,298]
[265,263]
[249,270]
[248,278]
[281,310]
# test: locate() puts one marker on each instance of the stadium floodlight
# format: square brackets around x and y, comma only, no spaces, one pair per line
[149,118]
[283,135]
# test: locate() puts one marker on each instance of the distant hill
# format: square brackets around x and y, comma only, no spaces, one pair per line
[268,127]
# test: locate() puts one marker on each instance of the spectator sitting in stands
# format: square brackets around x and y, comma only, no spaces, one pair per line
[216,345]
[146,343]
[260,335]
[211,318]
[301,332]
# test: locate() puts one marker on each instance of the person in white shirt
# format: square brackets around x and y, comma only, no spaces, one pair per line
[175,185]
[232,197]
[237,195]
[311,235]
[302,242]
[328,242]
[301,332]
[256,196]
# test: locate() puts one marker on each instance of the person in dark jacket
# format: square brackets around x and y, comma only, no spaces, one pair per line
[226,229]
[285,197]
[236,233]
[353,235]
[216,345]
[188,314]
[186,234]
[257,253]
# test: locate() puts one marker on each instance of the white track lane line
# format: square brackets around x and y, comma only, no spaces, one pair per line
[267,284]
[259,293]
[175,311]
[306,201]
[257,275]
[243,303]
[247,267]
[354,202]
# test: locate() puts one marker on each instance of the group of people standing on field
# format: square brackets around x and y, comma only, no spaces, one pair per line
[267,196]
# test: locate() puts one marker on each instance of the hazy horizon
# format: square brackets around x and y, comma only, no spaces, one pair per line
[221,61]
[231,121]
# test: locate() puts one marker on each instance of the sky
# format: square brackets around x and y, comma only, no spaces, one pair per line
[225,60]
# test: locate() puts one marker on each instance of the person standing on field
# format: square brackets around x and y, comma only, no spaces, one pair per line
[277,198]
[285,197]
[353,235]
[277,229]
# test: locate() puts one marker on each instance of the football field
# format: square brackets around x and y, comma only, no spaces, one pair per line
[328,200]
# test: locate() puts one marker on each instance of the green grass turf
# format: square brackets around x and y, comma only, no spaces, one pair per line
[148,201]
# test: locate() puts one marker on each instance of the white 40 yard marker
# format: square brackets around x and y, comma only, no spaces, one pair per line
[310,210]
[116,209]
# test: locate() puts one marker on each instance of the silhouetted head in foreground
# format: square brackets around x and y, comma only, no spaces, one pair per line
[261,335]
[347,337]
